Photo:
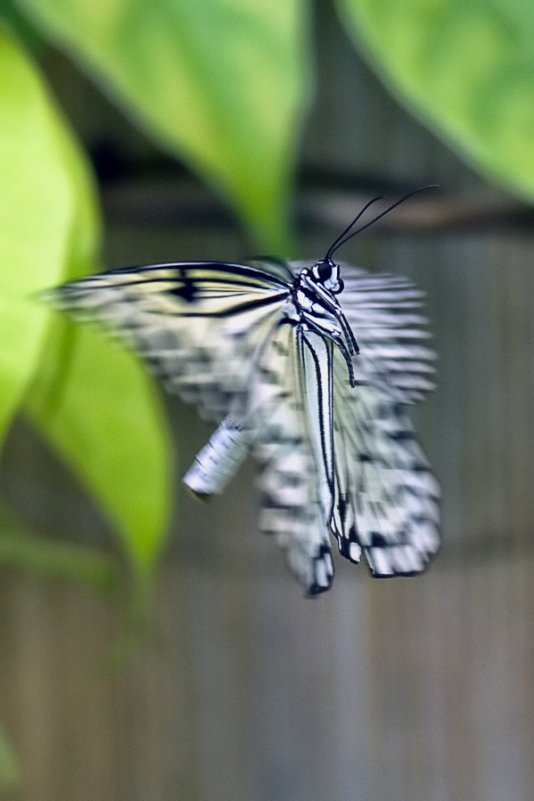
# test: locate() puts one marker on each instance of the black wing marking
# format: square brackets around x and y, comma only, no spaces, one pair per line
[197,325]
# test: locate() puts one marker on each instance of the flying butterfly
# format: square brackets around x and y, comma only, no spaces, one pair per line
[308,367]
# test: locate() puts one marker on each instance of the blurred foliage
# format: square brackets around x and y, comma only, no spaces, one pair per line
[223,85]
[36,211]
[102,413]
[92,402]
[465,68]
[26,552]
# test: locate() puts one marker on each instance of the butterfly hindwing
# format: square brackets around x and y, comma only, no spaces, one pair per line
[387,496]
[289,478]
[387,499]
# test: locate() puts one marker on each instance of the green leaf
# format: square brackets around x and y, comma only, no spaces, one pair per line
[103,415]
[36,211]
[23,30]
[466,68]
[220,83]
[93,402]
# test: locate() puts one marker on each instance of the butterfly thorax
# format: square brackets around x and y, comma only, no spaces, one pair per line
[313,306]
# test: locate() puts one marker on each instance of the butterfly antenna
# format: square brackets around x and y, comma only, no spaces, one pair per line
[341,241]
[334,246]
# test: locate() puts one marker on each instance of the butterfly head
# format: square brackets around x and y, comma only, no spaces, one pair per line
[327,273]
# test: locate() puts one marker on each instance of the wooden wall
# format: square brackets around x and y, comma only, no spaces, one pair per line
[408,690]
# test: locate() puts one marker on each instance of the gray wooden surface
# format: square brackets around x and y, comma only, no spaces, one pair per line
[412,690]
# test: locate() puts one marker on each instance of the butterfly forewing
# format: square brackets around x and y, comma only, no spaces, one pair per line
[197,325]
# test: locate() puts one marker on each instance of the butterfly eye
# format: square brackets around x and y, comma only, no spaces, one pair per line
[323,271]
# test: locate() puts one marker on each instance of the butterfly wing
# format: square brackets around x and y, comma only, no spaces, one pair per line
[213,332]
[196,324]
[384,311]
[290,477]
[386,499]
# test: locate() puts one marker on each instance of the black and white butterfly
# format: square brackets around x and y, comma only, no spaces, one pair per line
[308,367]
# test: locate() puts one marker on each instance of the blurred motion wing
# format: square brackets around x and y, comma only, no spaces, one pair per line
[387,499]
[197,325]
[384,311]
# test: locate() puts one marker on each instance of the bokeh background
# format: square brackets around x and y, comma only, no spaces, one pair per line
[155,649]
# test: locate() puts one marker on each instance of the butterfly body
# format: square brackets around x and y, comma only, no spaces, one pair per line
[314,307]
[310,372]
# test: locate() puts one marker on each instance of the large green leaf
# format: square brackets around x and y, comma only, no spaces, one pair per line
[98,408]
[466,67]
[36,211]
[102,413]
[221,83]
[93,402]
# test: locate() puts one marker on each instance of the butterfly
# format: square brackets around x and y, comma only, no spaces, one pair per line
[308,367]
